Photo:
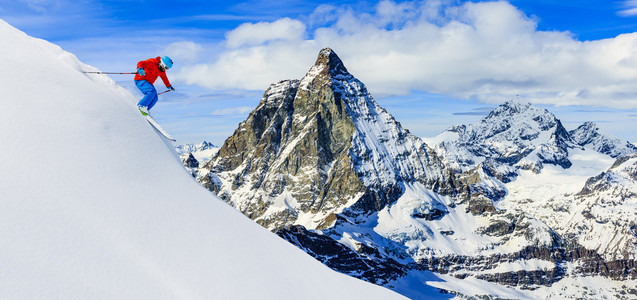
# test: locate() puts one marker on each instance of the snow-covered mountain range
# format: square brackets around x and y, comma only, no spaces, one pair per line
[473,211]
[547,172]
[192,155]
[196,148]
[107,211]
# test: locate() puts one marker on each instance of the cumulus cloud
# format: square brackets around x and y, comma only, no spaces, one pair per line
[489,51]
[185,51]
[255,34]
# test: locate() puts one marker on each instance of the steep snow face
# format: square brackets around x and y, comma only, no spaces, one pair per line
[608,204]
[383,152]
[589,136]
[107,211]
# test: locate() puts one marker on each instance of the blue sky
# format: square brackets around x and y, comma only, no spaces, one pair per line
[432,64]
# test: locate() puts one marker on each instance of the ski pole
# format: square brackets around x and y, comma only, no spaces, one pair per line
[166,91]
[107,73]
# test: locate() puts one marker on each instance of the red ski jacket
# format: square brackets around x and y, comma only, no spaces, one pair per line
[151,67]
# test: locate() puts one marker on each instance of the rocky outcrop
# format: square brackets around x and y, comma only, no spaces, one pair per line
[551,265]
[191,163]
[362,262]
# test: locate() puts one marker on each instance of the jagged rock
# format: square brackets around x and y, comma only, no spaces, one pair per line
[479,205]
[364,262]
[189,161]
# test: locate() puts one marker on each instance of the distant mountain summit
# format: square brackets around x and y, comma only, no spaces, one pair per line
[514,133]
[186,148]
[588,135]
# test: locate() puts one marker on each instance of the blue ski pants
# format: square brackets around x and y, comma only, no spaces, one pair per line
[149,91]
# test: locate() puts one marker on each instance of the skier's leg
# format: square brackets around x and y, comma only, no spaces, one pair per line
[149,92]
[153,101]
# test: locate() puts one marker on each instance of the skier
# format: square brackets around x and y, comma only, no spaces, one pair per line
[147,72]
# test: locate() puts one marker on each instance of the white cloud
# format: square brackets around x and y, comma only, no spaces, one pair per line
[249,34]
[232,111]
[488,51]
[185,51]
[630,8]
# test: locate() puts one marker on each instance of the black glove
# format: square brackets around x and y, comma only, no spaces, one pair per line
[171,88]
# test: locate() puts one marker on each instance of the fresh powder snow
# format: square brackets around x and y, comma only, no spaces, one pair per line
[94,203]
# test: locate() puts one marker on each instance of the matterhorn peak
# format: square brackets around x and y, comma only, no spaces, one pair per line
[328,60]
[327,68]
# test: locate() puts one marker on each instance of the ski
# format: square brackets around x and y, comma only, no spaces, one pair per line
[158,128]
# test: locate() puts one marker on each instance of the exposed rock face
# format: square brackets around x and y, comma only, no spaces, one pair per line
[363,262]
[315,147]
[191,163]
[551,265]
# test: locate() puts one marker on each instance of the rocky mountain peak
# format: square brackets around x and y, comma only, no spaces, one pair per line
[589,136]
[515,132]
[330,62]
[327,69]
[521,112]
[324,166]
[513,106]
[314,148]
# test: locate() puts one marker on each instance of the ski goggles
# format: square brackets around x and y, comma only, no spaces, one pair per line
[163,65]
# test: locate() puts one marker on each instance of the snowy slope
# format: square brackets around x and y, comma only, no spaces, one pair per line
[108,210]
[598,210]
